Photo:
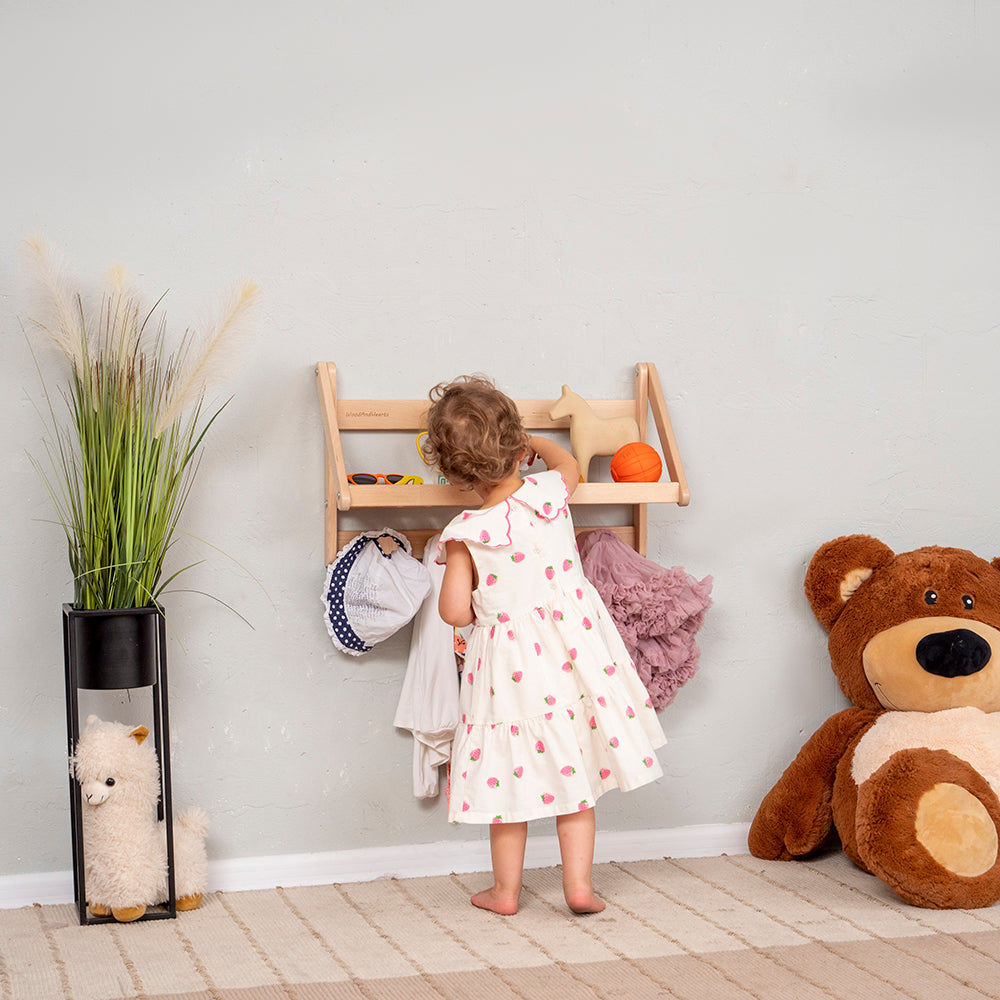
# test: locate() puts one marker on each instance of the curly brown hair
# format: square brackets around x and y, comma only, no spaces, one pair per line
[474,432]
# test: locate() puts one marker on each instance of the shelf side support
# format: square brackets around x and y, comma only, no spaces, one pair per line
[337,489]
[671,453]
[640,511]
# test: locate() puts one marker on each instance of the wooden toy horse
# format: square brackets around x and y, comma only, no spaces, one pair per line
[589,434]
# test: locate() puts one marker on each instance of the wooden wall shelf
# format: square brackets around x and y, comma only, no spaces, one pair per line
[374,415]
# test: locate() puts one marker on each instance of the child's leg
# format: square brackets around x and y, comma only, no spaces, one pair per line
[507,843]
[576,847]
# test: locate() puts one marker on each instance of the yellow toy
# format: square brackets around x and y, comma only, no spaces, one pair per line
[589,434]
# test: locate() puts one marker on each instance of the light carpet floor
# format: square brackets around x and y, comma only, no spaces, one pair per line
[719,928]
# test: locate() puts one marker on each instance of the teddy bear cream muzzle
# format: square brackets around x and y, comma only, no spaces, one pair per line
[927,664]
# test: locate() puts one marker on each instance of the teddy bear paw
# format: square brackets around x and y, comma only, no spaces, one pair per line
[929,827]
[189,902]
[126,914]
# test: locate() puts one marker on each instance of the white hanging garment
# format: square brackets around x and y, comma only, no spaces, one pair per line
[428,702]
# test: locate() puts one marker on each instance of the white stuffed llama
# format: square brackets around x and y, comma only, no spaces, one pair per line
[125,848]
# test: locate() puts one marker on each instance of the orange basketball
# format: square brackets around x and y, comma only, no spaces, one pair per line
[636,463]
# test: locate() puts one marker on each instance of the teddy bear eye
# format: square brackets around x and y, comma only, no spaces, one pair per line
[930,597]
[110,782]
[968,601]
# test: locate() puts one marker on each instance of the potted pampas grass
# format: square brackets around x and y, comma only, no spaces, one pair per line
[121,469]
[122,466]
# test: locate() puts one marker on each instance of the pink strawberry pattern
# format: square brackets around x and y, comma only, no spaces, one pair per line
[549,672]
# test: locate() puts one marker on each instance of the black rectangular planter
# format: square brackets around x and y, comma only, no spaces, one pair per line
[114,650]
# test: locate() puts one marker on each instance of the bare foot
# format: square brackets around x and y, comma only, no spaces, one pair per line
[497,902]
[584,901]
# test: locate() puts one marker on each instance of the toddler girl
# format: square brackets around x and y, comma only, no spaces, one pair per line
[553,711]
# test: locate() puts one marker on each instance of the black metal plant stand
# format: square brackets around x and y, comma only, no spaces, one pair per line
[108,651]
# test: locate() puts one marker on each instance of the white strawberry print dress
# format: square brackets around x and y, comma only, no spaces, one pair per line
[553,713]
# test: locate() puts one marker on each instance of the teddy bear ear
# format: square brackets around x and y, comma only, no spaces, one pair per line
[837,570]
[139,734]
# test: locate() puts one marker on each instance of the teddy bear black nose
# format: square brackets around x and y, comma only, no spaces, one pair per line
[956,653]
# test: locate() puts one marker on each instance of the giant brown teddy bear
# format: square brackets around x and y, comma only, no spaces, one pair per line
[908,777]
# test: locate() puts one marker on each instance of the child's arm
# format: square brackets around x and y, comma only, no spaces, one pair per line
[455,601]
[555,456]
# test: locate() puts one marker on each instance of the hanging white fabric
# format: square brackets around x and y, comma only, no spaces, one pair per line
[428,702]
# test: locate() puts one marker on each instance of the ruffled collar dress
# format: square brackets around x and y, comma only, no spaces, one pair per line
[553,713]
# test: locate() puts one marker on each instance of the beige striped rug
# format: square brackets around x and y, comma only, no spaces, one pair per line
[715,928]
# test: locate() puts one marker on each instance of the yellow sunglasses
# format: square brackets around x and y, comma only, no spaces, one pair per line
[392,478]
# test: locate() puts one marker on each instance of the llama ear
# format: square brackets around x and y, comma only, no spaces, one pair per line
[139,734]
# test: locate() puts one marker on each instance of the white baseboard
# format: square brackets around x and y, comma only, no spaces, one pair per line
[405,861]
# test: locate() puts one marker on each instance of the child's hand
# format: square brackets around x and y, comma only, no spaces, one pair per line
[556,457]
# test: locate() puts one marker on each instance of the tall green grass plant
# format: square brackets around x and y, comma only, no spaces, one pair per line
[123,464]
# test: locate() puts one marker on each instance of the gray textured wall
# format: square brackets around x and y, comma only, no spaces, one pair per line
[791,208]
